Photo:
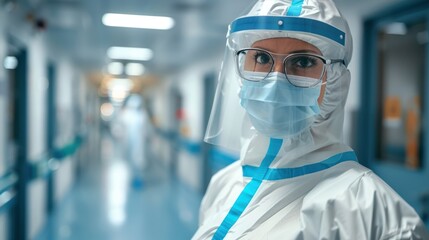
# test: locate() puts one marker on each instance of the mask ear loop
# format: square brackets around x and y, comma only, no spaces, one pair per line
[324,76]
[325,72]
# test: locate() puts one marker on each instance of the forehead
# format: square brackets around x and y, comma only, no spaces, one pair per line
[285,45]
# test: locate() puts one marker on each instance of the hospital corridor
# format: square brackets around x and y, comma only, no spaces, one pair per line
[199,119]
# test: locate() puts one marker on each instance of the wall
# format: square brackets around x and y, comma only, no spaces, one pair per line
[189,167]
[35,43]
[3,120]
[191,87]
[66,82]
[37,106]
[161,106]
[3,99]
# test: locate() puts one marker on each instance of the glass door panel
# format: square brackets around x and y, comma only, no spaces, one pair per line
[401,75]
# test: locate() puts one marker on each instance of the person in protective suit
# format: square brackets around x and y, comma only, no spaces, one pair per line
[280,102]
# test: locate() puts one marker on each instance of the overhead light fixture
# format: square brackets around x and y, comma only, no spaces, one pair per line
[127,53]
[123,84]
[115,68]
[137,21]
[10,62]
[134,69]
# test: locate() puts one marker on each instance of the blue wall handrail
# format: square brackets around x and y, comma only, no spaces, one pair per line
[7,190]
[8,181]
[166,134]
[190,146]
[193,147]
[49,162]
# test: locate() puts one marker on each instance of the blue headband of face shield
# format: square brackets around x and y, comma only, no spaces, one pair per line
[285,23]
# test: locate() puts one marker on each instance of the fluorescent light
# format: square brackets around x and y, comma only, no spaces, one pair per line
[122,84]
[127,53]
[118,96]
[115,68]
[10,62]
[134,69]
[137,21]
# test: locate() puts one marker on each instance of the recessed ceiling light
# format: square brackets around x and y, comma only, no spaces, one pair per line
[115,68]
[127,53]
[134,69]
[137,21]
[123,84]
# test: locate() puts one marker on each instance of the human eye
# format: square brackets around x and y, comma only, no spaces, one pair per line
[262,58]
[304,62]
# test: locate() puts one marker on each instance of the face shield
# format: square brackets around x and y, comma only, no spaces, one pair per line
[253,98]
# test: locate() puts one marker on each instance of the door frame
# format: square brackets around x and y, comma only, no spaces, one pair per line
[397,176]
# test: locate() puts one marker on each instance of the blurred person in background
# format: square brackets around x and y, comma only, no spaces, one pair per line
[133,123]
[283,84]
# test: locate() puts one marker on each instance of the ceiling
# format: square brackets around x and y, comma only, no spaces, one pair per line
[74,28]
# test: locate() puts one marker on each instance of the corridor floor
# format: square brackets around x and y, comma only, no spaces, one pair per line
[104,205]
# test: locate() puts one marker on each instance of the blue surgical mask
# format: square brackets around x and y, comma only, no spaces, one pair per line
[277,108]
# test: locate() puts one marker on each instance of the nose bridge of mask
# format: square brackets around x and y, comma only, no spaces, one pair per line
[277,89]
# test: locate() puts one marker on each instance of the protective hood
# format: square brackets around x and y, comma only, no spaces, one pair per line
[317,22]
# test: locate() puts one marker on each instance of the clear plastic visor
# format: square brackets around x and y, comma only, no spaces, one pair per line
[225,126]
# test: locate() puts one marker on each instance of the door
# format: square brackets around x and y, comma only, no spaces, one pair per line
[51,128]
[13,142]
[394,142]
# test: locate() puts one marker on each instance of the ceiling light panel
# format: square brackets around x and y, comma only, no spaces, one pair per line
[134,69]
[126,53]
[120,84]
[115,68]
[138,21]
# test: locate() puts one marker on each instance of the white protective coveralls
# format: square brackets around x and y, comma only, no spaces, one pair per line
[305,186]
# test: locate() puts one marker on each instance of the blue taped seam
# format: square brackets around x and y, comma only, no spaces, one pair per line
[285,173]
[237,209]
[288,23]
[295,9]
[249,191]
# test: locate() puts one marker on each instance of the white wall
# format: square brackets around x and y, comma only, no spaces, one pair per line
[191,90]
[65,83]
[37,101]
[65,128]
[36,207]
[191,86]
[161,106]
[36,125]
[64,178]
